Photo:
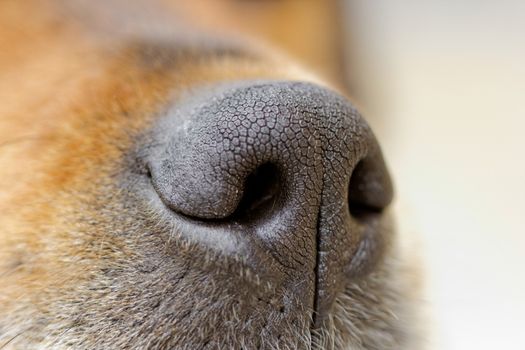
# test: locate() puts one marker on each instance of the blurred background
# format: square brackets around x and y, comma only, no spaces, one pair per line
[443,85]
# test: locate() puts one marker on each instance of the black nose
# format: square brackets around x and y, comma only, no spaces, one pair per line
[291,166]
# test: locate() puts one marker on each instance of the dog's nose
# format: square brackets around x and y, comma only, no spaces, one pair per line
[292,165]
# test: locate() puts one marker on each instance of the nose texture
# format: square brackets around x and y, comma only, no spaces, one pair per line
[291,164]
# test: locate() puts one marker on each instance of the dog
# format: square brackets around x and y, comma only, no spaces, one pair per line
[168,184]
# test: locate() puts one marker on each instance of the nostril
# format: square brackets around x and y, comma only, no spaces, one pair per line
[366,193]
[261,193]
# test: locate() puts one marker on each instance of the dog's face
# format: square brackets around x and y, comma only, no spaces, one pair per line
[167,192]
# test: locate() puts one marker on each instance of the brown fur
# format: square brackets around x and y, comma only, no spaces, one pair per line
[75,96]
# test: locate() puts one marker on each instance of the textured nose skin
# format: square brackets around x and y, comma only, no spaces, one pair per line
[293,164]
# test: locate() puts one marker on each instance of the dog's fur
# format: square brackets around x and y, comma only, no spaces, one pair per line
[78,85]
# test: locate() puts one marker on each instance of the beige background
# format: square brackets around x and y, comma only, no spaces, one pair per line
[443,83]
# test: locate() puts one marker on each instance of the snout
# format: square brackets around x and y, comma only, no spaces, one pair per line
[287,175]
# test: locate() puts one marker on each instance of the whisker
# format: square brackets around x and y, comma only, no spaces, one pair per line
[11,339]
